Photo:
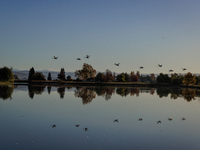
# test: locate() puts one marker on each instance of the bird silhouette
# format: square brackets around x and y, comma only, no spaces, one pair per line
[171,70]
[117,64]
[53,126]
[116,120]
[78,59]
[140,119]
[87,56]
[158,121]
[141,67]
[86,129]
[184,69]
[183,118]
[159,65]
[170,118]
[77,125]
[54,57]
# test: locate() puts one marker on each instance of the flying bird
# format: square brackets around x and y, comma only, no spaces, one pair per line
[170,119]
[171,70]
[184,69]
[87,56]
[117,64]
[159,65]
[54,57]
[116,120]
[158,122]
[183,118]
[141,67]
[77,125]
[78,59]
[139,119]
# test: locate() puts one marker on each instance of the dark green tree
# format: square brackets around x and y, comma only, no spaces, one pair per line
[163,78]
[61,75]
[31,72]
[121,77]
[176,79]
[69,78]
[49,77]
[6,74]
[99,77]
[38,76]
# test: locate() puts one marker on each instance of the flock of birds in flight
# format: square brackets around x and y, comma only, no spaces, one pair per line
[117,64]
[116,120]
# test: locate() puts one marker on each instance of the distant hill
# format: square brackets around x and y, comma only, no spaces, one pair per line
[23,74]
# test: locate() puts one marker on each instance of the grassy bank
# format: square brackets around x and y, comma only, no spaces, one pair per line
[6,83]
[87,83]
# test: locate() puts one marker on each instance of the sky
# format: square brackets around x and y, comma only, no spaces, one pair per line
[130,32]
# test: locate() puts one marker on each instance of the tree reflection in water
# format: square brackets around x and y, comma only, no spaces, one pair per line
[35,89]
[189,94]
[87,94]
[6,91]
[49,89]
[61,91]
[106,92]
[123,91]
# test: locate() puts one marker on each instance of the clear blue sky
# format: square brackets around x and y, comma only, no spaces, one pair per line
[132,32]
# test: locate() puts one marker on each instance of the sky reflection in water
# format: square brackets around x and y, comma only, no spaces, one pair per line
[45,118]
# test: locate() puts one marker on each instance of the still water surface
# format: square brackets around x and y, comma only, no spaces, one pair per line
[42,117]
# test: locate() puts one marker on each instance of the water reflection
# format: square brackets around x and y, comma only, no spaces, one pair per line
[35,89]
[87,94]
[61,91]
[6,92]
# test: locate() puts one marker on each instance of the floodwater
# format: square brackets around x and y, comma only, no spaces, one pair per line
[99,118]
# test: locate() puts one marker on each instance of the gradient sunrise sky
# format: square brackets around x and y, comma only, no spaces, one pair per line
[130,32]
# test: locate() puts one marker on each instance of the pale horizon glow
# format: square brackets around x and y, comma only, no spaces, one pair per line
[133,33]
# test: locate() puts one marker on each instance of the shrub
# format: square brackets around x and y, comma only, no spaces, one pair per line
[6,74]
[38,76]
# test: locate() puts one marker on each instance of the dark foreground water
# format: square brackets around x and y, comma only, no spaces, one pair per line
[117,118]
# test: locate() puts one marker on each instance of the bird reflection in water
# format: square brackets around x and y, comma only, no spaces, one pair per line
[77,125]
[53,126]
[116,120]
[86,129]
[158,121]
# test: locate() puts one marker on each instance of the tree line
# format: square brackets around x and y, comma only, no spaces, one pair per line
[88,73]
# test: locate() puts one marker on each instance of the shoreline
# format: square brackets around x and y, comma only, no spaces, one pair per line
[87,83]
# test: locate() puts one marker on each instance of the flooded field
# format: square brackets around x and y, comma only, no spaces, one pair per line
[99,118]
